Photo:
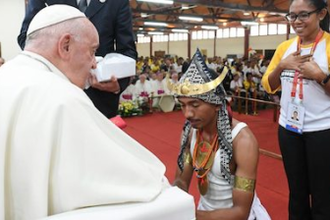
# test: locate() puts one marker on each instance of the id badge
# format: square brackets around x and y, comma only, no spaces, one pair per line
[295,118]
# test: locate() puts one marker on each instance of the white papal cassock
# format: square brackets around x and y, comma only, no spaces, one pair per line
[58,153]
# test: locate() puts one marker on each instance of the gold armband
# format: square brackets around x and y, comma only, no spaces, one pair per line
[244,184]
[187,158]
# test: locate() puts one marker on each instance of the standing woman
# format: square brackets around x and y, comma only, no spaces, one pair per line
[300,67]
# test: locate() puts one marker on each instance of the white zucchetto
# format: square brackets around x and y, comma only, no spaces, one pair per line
[53,14]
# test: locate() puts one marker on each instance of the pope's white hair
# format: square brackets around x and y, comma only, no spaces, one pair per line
[47,36]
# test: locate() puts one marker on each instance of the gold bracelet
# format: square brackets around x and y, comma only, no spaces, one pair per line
[244,184]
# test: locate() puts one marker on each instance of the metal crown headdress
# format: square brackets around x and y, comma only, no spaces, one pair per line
[197,79]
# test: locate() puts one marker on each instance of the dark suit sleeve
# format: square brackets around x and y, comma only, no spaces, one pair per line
[34,6]
[125,41]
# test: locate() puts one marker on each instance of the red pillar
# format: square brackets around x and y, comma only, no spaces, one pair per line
[246,41]
[189,45]
[151,41]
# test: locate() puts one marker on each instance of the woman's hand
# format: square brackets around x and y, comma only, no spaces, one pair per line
[294,61]
[311,70]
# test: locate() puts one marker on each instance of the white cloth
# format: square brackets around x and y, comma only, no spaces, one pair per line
[219,193]
[172,204]
[58,152]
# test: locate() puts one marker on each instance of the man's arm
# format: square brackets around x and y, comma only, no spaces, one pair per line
[125,40]
[183,177]
[34,6]
[246,159]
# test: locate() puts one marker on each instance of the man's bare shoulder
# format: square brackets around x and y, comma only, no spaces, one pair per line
[245,141]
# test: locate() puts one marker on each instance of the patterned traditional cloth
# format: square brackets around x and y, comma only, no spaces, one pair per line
[198,73]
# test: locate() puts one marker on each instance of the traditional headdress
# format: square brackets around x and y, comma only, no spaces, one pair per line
[201,83]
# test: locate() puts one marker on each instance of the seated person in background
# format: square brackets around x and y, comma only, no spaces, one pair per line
[255,70]
[249,84]
[175,77]
[129,93]
[221,151]
[2,61]
[58,152]
[152,77]
[155,67]
[143,86]
[159,86]
[236,85]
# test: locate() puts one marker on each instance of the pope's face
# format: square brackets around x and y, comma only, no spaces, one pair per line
[83,55]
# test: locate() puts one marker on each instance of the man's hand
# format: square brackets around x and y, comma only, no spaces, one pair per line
[109,86]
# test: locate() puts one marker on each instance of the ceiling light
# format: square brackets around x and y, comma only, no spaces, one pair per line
[209,27]
[185,7]
[155,23]
[180,30]
[262,19]
[187,18]
[141,28]
[169,2]
[246,13]
[249,23]
[144,15]
[225,24]
[140,35]
[155,33]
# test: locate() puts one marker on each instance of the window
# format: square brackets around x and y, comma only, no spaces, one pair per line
[205,34]
[156,38]
[219,33]
[165,38]
[175,37]
[199,34]
[281,28]
[143,39]
[263,29]
[211,34]
[194,35]
[254,30]
[226,33]
[240,32]
[233,32]
[272,29]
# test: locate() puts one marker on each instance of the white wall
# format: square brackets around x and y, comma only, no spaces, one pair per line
[224,46]
[11,17]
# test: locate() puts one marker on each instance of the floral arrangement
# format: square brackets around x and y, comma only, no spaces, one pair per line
[129,108]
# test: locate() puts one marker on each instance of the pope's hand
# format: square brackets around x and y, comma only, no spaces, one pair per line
[111,85]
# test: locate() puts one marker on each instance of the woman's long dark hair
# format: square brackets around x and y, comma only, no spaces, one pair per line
[320,4]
